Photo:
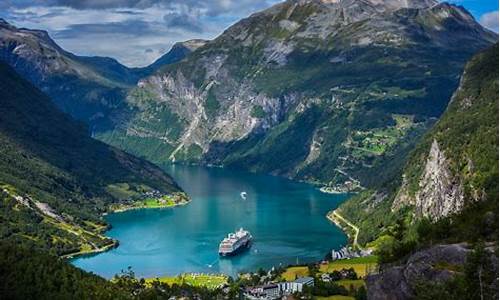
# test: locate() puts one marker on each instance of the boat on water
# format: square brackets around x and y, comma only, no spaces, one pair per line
[243,195]
[235,242]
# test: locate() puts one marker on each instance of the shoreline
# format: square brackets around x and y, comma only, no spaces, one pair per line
[334,217]
[134,207]
[116,243]
[329,190]
[103,249]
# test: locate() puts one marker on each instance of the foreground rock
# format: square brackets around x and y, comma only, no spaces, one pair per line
[437,264]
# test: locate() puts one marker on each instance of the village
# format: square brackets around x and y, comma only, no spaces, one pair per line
[342,275]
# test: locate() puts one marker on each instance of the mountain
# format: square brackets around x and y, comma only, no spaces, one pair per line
[178,52]
[451,177]
[56,181]
[90,89]
[334,92]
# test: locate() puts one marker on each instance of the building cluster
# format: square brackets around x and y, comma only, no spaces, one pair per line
[152,194]
[278,290]
[346,253]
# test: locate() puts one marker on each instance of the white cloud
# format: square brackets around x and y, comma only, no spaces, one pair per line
[124,29]
[490,20]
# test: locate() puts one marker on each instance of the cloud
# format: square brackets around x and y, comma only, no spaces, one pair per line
[211,7]
[490,20]
[183,21]
[128,27]
[125,29]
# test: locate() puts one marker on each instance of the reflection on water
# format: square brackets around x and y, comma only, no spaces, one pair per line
[286,218]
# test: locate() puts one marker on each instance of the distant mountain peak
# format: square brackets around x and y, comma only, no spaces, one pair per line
[178,52]
[393,4]
[192,45]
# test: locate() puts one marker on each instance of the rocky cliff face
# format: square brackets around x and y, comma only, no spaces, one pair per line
[440,193]
[437,264]
[362,78]
[453,168]
[445,184]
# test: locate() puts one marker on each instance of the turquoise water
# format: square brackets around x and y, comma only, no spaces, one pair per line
[286,218]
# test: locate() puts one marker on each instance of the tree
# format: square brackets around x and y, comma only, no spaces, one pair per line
[361,293]
[480,274]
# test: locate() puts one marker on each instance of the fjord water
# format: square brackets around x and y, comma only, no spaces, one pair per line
[286,218]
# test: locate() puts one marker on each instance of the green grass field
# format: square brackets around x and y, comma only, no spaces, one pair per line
[293,273]
[362,265]
[153,203]
[347,283]
[210,281]
[163,202]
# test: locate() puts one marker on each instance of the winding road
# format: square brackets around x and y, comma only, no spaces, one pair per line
[335,217]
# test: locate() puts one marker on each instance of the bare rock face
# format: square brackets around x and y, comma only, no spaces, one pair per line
[398,282]
[437,264]
[440,192]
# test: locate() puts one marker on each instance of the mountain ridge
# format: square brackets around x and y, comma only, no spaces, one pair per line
[55,181]
[235,101]
[89,88]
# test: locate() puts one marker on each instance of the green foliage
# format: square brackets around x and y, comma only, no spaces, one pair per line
[212,105]
[478,281]
[468,134]
[280,150]
[324,289]
[30,274]
[48,157]
[191,154]
[257,112]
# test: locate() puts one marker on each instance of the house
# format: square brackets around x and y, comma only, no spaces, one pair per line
[325,277]
[266,292]
[297,285]
[277,290]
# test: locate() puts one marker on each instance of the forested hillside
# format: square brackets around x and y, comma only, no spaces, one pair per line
[55,181]
[448,190]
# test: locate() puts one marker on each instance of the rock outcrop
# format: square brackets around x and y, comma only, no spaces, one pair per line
[440,192]
[436,264]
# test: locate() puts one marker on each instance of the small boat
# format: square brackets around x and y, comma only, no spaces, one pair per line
[235,242]
[243,195]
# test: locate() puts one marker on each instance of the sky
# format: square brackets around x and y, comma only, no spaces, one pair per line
[136,32]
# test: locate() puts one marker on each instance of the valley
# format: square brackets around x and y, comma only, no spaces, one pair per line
[167,242]
[357,140]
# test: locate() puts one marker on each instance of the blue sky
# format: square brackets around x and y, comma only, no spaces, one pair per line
[136,32]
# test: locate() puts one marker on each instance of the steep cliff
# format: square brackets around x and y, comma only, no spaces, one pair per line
[328,91]
[439,194]
[454,169]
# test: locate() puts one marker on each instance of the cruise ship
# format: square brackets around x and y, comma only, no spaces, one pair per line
[235,243]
